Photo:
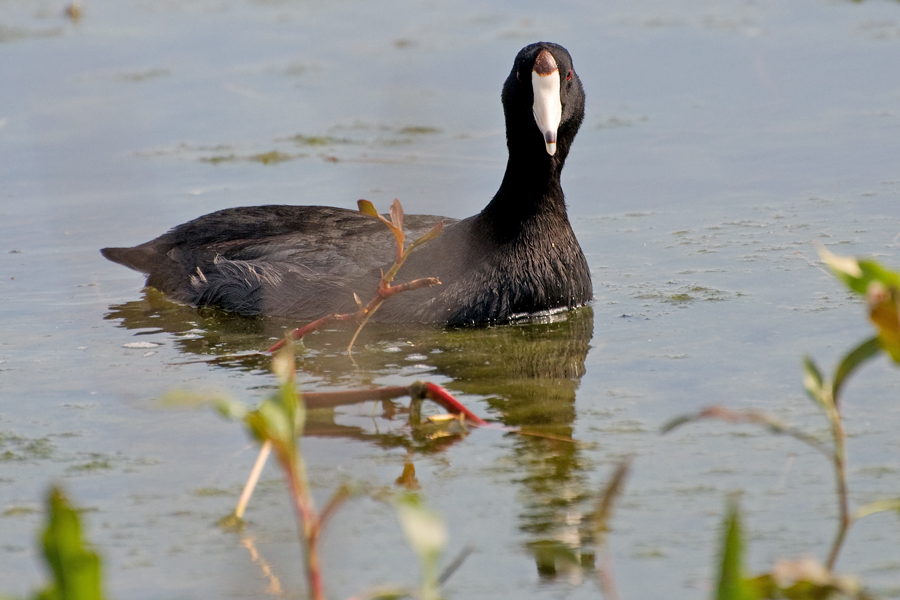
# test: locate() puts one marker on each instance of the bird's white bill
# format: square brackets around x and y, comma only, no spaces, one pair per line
[547,107]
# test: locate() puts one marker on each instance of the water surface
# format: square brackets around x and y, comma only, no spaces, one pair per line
[722,141]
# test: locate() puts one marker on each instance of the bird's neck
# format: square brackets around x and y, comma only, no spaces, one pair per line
[529,194]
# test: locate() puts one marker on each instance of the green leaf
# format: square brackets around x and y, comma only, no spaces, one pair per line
[846,268]
[182,398]
[397,214]
[813,382]
[395,224]
[76,569]
[428,235]
[678,422]
[388,594]
[399,236]
[805,578]
[427,535]
[884,312]
[231,409]
[876,507]
[851,361]
[367,208]
[732,585]
[874,271]
[269,422]
[857,274]
[284,365]
[881,288]
[424,529]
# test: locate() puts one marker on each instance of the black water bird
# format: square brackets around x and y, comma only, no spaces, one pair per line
[516,257]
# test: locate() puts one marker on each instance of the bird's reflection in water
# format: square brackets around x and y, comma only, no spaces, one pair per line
[528,373]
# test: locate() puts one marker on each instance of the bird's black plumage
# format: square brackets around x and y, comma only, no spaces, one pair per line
[518,256]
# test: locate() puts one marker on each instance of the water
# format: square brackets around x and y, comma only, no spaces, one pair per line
[722,141]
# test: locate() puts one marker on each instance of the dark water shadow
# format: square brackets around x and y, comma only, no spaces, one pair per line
[528,374]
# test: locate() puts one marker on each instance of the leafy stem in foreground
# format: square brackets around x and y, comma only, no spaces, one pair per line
[751,417]
[798,579]
[277,423]
[881,288]
[426,533]
[75,567]
[732,582]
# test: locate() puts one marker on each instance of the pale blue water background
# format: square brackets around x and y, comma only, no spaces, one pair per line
[722,141]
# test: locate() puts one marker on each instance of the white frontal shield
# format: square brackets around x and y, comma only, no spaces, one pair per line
[547,107]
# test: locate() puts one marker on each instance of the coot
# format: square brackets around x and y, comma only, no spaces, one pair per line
[518,256]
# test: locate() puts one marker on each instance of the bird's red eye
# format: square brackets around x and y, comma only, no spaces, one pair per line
[569,75]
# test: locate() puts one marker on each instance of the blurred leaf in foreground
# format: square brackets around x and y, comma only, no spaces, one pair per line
[280,418]
[880,287]
[732,585]
[884,313]
[427,534]
[806,579]
[76,569]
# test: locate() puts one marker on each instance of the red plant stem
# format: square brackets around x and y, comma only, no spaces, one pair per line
[336,501]
[308,526]
[426,389]
[438,394]
[385,291]
[408,286]
[309,328]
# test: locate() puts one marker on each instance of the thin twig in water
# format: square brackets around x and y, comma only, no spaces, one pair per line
[385,289]
[750,417]
[261,459]
[455,564]
[605,574]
